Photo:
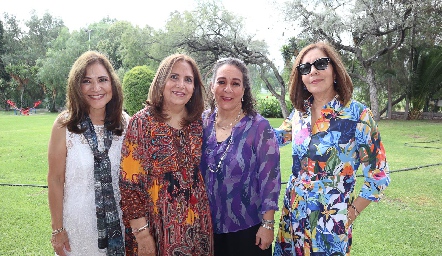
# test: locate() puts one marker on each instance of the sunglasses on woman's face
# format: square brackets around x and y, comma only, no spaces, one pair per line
[320,64]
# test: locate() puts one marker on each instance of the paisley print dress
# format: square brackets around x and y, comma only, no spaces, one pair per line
[161,181]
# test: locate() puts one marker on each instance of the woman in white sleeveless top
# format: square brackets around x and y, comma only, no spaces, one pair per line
[84,155]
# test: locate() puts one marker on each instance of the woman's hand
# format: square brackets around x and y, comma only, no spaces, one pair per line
[264,238]
[60,242]
[146,243]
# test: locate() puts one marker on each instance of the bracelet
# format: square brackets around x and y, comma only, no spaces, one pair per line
[135,231]
[268,221]
[57,231]
[267,226]
[356,210]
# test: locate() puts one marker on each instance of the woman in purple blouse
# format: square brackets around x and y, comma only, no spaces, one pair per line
[240,165]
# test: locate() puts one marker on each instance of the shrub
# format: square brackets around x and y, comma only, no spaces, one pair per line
[269,107]
[136,84]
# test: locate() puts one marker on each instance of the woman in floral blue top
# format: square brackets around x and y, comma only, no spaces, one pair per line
[332,136]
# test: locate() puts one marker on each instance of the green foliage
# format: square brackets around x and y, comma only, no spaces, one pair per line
[136,84]
[427,78]
[54,70]
[269,106]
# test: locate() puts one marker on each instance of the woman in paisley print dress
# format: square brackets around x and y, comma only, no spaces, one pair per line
[164,200]
[332,136]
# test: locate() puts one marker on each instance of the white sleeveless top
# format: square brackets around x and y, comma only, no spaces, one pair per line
[79,215]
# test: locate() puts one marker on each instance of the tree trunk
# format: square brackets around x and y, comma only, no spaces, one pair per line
[279,96]
[284,110]
[407,107]
[373,93]
[389,56]
[389,104]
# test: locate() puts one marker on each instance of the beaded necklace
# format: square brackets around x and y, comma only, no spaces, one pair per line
[231,124]
[218,166]
[223,156]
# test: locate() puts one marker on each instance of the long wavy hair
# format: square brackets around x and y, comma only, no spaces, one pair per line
[195,106]
[249,102]
[343,85]
[77,107]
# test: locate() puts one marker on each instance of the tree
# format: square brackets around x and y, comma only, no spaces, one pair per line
[426,79]
[210,32]
[55,66]
[22,50]
[136,84]
[366,22]
[136,48]
[111,43]
[4,76]
[42,31]
[22,74]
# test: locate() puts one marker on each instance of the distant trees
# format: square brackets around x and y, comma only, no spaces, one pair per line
[211,32]
[21,53]
[383,44]
[426,79]
[370,35]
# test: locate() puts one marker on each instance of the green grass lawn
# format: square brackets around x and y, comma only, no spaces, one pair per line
[406,222]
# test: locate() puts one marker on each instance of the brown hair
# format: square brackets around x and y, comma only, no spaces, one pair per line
[343,85]
[248,103]
[76,104]
[195,106]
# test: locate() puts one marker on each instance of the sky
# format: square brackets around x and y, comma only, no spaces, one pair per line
[261,18]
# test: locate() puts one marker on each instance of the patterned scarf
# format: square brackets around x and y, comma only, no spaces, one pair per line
[108,221]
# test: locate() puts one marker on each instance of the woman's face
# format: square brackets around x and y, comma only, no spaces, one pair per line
[179,85]
[228,88]
[96,86]
[318,82]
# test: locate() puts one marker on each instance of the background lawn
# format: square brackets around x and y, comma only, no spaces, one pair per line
[406,222]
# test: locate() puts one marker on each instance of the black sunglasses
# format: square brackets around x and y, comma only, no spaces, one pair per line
[320,64]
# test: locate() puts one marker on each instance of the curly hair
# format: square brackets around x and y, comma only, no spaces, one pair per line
[77,107]
[249,102]
[343,85]
[195,106]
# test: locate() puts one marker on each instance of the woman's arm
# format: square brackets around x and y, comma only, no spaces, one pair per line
[355,208]
[265,235]
[56,177]
[283,133]
[145,240]
[373,158]
[269,176]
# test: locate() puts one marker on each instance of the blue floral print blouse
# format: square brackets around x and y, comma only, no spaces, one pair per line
[326,156]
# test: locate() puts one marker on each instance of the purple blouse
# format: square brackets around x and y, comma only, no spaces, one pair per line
[248,180]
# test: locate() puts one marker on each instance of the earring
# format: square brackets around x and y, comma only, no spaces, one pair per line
[242,98]
[304,87]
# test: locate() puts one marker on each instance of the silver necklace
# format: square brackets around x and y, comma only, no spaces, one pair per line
[218,166]
[229,125]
